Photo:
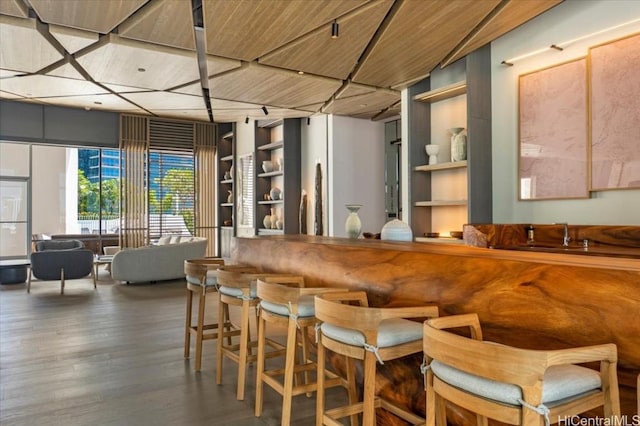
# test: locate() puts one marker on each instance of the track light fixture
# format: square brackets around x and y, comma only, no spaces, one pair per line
[246,120]
[335,29]
[264,109]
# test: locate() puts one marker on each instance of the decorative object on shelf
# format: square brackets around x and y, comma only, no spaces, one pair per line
[230,196]
[266,222]
[371,236]
[279,221]
[267,166]
[396,230]
[302,214]
[228,222]
[458,144]
[432,151]
[456,234]
[227,175]
[317,227]
[273,218]
[432,234]
[280,163]
[275,194]
[353,226]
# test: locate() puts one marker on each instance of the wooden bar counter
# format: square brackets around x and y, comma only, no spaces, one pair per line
[525,299]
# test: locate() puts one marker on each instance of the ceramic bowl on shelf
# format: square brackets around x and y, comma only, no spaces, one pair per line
[275,193]
[396,230]
[267,166]
[456,234]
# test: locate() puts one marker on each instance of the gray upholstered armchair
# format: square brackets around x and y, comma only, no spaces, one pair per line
[61,259]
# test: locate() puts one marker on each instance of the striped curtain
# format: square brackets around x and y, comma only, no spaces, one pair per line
[205,180]
[134,145]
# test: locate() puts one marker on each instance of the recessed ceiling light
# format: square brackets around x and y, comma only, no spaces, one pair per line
[141,69]
[97,102]
[301,72]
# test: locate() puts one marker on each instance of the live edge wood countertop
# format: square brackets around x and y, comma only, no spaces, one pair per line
[525,299]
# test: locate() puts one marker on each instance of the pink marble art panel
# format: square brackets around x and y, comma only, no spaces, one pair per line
[553,132]
[615,114]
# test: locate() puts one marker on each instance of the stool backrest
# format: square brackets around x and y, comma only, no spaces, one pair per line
[238,276]
[199,267]
[522,367]
[280,289]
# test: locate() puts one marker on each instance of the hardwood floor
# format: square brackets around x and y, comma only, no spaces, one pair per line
[113,356]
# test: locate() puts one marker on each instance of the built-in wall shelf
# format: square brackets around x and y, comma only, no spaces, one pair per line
[226,204]
[271,202]
[227,158]
[441,93]
[272,145]
[263,231]
[227,135]
[436,203]
[270,174]
[226,188]
[441,166]
[226,181]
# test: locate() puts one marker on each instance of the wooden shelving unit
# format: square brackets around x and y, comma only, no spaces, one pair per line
[226,160]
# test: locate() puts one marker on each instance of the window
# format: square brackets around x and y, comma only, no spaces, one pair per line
[99,191]
[245,203]
[171,194]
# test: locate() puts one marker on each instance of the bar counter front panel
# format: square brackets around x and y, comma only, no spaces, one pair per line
[528,300]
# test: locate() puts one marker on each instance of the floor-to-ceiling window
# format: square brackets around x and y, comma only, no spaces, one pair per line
[14,200]
[99,190]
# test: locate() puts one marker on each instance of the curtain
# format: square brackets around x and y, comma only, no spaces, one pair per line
[205,182]
[134,144]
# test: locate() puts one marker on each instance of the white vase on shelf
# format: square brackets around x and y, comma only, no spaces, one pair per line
[458,144]
[432,151]
[353,225]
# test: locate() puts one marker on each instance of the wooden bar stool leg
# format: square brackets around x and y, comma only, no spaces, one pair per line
[320,383]
[227,321]
[368,395]
[200,329]
[304,343]
[352,392]
[289,366]
[244,349]
[221,312]
[187,327]
[260,367]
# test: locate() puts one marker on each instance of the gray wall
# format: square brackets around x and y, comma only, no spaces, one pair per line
[26,122]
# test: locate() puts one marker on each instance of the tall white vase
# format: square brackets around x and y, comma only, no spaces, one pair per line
[353,226]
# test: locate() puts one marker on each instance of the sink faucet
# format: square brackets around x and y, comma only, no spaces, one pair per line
[565,237]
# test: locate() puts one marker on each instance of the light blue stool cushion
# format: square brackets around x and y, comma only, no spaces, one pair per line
[560,382]
[391,332]
[237,292]
[211,279]
[306,307]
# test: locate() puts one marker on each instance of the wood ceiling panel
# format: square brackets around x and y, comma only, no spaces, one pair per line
[44,86]
[9,95]
[248,29]
[319,54]
[167,103]
[72,39]
[9,73]
[166,22]
[119,60]
[125,89]
[23,48]
[97,15]
[236,111]
[270,86]
[420,34]
[97,102]
[217,65]
[369,103]
[513,14]
[14,8]
[66,70]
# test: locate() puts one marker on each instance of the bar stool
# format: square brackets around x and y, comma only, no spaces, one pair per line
[237,287]
[638,392]
[285,301]
[368,334]
[201,280]
[512,385]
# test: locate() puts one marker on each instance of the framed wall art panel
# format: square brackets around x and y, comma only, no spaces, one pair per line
[614,69]
[553,128]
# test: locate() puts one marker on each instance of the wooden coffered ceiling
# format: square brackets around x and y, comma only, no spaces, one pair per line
[225,59]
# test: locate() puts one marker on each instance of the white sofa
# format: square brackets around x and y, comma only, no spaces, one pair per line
[164,261]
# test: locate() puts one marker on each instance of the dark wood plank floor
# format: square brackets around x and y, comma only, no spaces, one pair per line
[114,356]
